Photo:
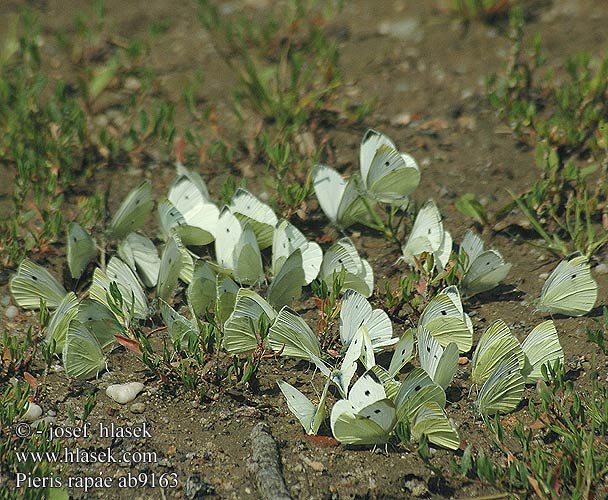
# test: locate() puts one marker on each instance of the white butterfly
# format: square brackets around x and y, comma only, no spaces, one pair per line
[140,254]
[339,199]
[101,322]
[241,330]
[366,417]
[171,263]
[495,345]
[428,236]
[432,422]
[33,283]
[502,391]
[483,270]
[570,289]
[286,287]
[292,337]
[83,356]
[401,356]
[286,240]
[355,313]
[133,212]
[190,197]
[173,222]
[417,389]
[358,275]
[310,416]
[257,215]
[60,321]
[540,347]
[133,296]
[237,250]
[179,327]
[441,365]
[388,176]
[445,319]
[81,249]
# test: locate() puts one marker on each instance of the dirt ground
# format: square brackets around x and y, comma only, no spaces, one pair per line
[418,62]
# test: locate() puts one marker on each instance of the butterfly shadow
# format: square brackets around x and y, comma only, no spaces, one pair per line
[596,312]
[501,293]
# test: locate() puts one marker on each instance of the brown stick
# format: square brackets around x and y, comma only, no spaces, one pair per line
[266,464]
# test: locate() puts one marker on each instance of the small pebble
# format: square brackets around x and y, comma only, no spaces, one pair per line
[11,312]
[5,300]
[124,393]
[138,407]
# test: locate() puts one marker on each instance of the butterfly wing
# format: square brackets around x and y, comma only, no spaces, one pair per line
[439,364]
[355,310]
[34,283]
[541,347]
[416,389]
[286,240]
[403,352]
[228,234]
[81,249]
[140,254]
[432,422]
[291,336]
[496,344]
[426,235]
[484,273]
[202,291]
[287,285]
[570,289]
[60,321]
[248,268]
[83,357]
[133,212]
[259,216]
[393,176]
[502,391]
[445,319]
[329,187]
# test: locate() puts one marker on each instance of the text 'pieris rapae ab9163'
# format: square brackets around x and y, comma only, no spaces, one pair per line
[570,289]
[388,175]
[482,269]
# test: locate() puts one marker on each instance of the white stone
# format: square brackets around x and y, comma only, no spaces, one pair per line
[11,312]
[124,393]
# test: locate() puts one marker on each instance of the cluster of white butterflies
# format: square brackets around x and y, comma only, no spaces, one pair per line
[386,176]
[188,219]
[84,330]
[377,402]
